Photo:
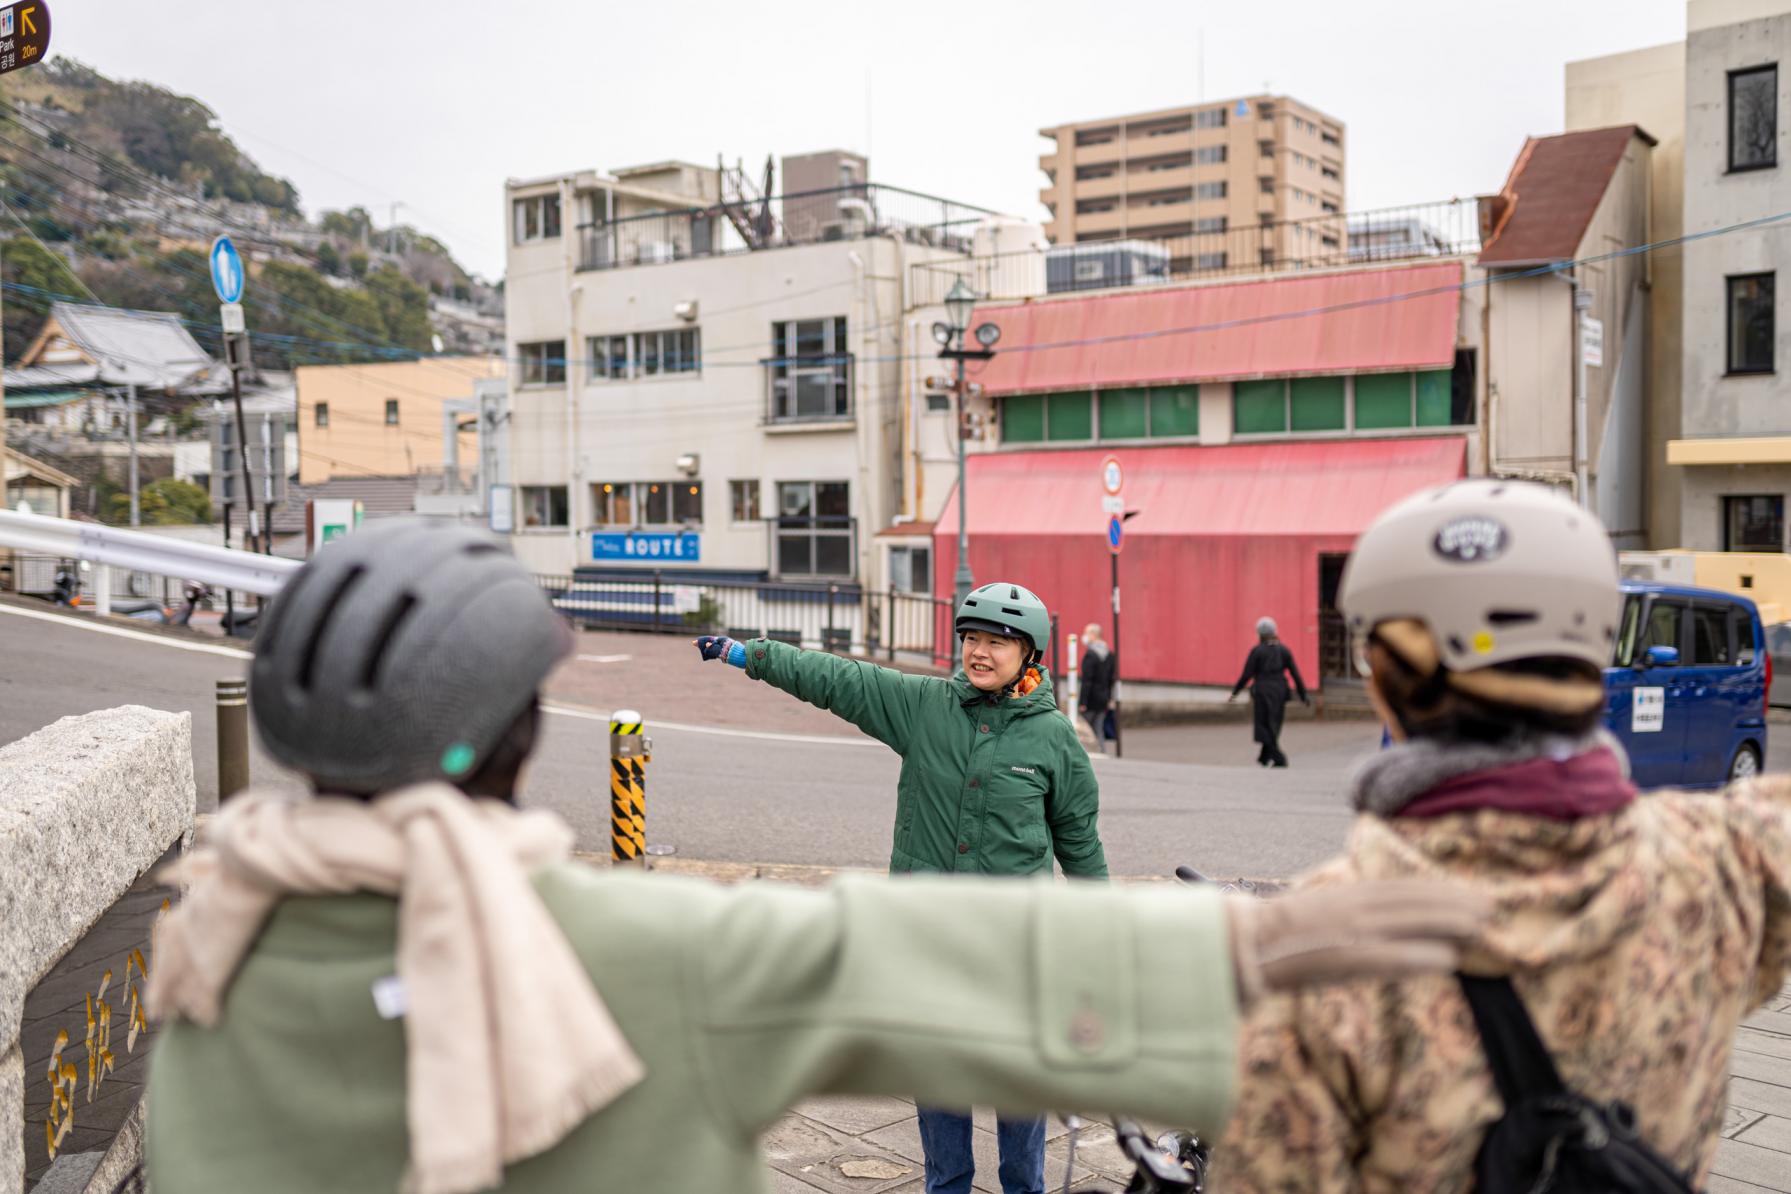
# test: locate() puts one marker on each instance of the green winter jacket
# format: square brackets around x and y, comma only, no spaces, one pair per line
[994,785]
[740,1002]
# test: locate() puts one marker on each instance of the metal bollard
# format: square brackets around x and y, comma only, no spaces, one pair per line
[629,750]
[233,737]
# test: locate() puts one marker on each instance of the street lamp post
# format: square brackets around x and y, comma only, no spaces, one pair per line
[960,302]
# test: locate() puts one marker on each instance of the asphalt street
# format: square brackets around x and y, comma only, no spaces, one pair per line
[740,773]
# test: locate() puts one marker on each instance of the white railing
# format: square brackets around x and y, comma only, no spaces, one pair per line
[113,547]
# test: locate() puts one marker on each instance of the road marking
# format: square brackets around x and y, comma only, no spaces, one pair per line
[604,658]
[655,726]
[121,632]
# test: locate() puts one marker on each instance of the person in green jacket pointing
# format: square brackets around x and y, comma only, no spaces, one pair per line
[404,981]
[993,781]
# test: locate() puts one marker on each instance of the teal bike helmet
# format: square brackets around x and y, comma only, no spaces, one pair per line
[1008,610]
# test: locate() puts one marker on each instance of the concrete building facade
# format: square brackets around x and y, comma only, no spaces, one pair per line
[1256,179]
[705,389]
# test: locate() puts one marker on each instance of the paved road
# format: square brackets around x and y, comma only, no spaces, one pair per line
[741,773]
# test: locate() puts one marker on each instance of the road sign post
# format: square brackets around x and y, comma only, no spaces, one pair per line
[227,278]
[1113,505]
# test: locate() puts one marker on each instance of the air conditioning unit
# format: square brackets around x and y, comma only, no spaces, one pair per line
[1662,567]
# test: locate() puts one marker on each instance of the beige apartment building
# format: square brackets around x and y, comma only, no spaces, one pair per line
[1233,184]
[387,419]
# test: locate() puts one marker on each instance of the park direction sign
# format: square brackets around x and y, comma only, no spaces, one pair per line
[24,34]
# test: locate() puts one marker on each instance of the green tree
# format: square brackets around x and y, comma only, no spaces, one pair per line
[36,278]
[357,264]
[329,258]
[168,502]
[403,307]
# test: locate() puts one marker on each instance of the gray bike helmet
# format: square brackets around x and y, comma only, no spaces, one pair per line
[1008,610]
[401,654]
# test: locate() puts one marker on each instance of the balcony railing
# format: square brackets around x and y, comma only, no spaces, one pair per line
[803,218]
[808,389]
[1325,241]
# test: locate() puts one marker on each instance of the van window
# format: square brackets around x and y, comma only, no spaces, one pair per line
[1663,625]
[1710,645]
[1741,633]
[1625,654]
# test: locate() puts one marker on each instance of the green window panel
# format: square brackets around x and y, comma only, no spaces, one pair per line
[1383,400]
[1433,399]
[1023,419]
[1069,416]
[1259,406]
[1317,403]
[1123,413]
[1174,410]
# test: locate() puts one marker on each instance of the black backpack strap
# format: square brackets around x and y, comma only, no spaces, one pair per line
[1520,1062]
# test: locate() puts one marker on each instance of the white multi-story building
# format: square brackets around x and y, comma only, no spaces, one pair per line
[713,384]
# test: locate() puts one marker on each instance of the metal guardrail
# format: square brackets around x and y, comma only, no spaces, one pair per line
[220,567]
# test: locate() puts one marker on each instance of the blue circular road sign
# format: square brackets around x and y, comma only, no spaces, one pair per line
[226,271]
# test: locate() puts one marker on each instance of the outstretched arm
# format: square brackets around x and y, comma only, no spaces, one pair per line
[880,701]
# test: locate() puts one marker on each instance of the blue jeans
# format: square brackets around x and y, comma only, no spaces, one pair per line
[945,1138]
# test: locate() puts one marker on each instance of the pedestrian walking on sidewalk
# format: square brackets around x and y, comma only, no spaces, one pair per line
[1266,669]
[993,782]
[1100,667]
[1633,935]
[404,982]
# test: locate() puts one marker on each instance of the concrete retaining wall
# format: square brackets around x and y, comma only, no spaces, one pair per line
[86,806]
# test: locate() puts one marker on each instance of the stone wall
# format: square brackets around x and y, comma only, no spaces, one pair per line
[86,806]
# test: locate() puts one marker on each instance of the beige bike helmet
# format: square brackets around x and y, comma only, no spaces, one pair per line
[1484,573]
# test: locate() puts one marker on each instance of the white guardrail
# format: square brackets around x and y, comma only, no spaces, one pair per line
[104,546]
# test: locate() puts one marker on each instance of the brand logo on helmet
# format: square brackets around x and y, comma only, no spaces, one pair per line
[1471,540]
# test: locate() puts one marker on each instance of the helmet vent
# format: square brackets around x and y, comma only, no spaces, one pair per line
[308,659]
[479,549]
[1512,617]
[1013,594]
[376,655]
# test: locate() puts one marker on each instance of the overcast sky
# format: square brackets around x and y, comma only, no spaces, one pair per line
[435,103]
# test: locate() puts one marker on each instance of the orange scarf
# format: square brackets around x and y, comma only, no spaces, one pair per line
[1028,682]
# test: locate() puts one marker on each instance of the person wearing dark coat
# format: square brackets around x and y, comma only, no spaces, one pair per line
[1095,695]
[1264,674]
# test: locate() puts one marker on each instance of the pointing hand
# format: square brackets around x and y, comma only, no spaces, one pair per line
[719,646]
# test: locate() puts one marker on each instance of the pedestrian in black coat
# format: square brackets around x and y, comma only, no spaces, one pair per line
[1263,673]
[1099,666]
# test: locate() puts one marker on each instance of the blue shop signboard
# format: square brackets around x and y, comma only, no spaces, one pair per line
[685,548]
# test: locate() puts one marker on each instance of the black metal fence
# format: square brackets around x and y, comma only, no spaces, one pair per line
[833,617]
[1324,241]
[802,218]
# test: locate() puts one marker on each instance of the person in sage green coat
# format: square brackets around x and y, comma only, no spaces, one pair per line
[511,1019]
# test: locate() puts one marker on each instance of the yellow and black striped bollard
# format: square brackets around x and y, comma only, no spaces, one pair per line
[629,750]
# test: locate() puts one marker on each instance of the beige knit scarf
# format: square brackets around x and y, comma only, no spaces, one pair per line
[508,1045]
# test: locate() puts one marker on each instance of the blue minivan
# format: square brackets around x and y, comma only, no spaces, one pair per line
[1686,689]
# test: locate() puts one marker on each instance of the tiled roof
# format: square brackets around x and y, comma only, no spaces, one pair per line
[1554,189]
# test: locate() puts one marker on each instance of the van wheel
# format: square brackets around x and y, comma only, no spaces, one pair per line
[1745,764]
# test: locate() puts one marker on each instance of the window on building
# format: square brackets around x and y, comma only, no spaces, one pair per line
[1432,398]
[911,569]
[1266,185]
[543,505]
[612,503]
[810,370]
[1751,323]
[1265,149]
[1210,190]
[1329,173]
[1316,404]
[1094,207]
[1209,261]
[1211,224]
[1754,523]
[645,354]
[1754,118]
[1154,412]
[1040,418]
[1329,208]
[608,356]
[1265,256]
[743,500]
[536,218]
[321,417]
[1259,407]
[391,412]
[543,362]
[1210,118]
[1090,173]
[814,529]
[687,502]
[1210,154]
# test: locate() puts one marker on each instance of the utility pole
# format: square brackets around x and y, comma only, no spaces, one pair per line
[130,422]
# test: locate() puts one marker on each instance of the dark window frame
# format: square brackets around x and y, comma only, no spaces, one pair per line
[391,412]
[1731,368]
[320,415]
[1772,159]
[1729,508]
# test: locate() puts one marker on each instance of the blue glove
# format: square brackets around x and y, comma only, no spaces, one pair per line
[719,646]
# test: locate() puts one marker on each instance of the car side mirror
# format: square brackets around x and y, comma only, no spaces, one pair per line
[1661,656]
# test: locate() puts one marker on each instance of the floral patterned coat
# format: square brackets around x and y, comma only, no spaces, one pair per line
[1638,940]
